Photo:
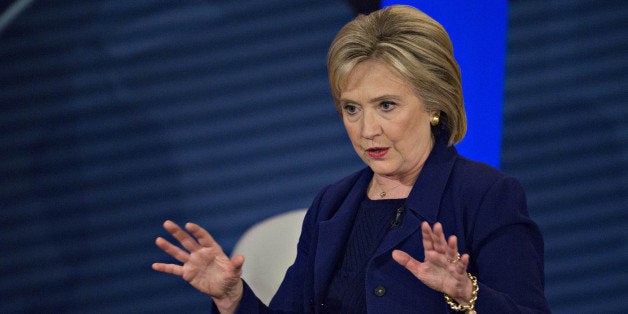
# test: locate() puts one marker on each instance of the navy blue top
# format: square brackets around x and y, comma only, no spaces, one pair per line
[373,220]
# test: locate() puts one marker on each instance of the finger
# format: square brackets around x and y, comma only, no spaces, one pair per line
[452,249]
[438,237]
[182,236]
[459,268]
[407,261]
[172,250]
[463,264]
[426,233]
[452,242]
[204,238]
[168,268]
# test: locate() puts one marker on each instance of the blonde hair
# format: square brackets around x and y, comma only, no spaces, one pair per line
[416,46]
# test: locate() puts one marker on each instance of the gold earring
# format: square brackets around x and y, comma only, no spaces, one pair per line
[435,119]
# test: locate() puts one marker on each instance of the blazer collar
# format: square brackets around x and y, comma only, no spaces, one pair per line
[425,197]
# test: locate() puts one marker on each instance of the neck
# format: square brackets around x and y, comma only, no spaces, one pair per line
[382,187]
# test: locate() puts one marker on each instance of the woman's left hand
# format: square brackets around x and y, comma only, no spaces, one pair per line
[443,269]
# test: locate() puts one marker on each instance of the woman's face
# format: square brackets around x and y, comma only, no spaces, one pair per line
[386,121]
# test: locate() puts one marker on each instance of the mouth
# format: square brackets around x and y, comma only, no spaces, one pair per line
[377,152]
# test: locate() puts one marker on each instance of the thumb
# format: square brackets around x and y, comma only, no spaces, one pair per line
[238,261]
[401,257]
[407,261]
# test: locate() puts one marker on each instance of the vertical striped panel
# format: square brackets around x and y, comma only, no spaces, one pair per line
[565,135]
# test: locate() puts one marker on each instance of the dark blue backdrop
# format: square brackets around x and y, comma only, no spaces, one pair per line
[117,115]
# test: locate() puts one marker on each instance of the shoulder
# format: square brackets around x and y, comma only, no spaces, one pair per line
[479,176]
[485,190]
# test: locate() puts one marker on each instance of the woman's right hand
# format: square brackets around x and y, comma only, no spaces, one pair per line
[205,266]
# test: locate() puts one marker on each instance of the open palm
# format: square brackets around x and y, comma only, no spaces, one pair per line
[443,269]
[205,266]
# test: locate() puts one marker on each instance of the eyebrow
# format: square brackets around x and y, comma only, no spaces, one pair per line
[373,100]
[385,97]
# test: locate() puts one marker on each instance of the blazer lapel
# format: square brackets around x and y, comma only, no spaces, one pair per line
[425,198]
[411,223]
[333,233]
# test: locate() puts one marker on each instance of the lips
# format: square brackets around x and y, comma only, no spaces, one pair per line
[377,152]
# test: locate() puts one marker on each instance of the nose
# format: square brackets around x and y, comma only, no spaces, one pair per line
[370,125]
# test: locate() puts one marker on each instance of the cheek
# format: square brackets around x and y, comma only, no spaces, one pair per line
[400,131]
[409,132]
[352,131]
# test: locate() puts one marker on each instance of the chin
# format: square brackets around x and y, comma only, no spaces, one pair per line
[382,171]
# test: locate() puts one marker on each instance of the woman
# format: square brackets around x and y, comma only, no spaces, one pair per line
[397,88]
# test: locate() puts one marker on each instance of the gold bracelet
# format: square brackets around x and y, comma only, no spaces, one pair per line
[470,308]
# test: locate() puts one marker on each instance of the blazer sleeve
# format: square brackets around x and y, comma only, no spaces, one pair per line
[294,294]
[507,253]
[250,303]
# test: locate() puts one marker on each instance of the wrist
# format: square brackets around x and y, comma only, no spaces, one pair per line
[467,305]
[466,293]
[231,300]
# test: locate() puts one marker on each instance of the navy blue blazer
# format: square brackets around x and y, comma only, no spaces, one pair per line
[483,207]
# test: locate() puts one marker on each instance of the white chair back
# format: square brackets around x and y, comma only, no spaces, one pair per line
[269,248]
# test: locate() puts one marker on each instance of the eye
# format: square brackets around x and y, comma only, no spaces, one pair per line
[387,105]
[350,109]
